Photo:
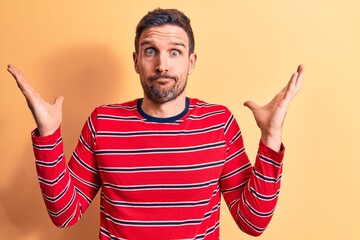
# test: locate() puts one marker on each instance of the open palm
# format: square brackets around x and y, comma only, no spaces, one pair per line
[48,117]
[270,117]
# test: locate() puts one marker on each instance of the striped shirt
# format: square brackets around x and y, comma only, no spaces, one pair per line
[160,178]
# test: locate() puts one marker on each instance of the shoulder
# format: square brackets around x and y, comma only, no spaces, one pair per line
[117,107]
[205,106]
[200,108]
[126,109]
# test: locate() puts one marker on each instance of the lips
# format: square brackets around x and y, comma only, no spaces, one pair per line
[161,77]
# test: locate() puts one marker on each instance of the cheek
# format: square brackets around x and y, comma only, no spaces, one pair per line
[145,66]
[185,70]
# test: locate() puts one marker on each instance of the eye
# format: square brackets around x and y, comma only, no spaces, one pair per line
[175,53]
[150,51]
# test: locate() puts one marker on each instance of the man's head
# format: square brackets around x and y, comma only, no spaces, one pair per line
[164,55]
[160,17]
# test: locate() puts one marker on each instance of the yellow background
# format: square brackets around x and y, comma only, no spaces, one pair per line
[246,50]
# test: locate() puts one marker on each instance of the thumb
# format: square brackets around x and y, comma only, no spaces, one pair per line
[59,102]
[251,104]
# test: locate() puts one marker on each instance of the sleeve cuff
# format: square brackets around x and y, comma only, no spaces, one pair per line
[36,139]
[268,152]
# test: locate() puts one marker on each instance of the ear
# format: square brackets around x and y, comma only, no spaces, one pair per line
[192,64]
[135,59]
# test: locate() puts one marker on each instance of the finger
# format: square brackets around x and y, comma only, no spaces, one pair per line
[300,77]
[295,83]
[292,81]
[300,68]
[291,87]
[16,73]
[251,105]
[13,71]
[59,102]
[19,76]
[296,80]
[22,83]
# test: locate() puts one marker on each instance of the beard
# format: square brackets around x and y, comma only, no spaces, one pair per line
[162,92]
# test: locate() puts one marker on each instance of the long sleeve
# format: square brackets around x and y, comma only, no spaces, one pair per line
[67,189]
[251,192]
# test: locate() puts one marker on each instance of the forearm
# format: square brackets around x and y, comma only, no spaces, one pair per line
[253,201]
[60,197]
[259,198]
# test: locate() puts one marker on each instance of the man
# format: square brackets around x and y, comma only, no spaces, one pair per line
[162,161]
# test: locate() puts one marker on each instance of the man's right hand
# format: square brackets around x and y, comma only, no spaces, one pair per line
[48,117]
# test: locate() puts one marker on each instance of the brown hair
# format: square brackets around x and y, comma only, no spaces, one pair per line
[160,17]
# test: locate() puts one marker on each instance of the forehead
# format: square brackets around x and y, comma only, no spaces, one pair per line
[164,34]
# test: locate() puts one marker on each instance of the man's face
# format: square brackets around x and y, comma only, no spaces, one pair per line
[163,62]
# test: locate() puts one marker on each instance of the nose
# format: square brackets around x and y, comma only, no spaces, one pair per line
[162,63]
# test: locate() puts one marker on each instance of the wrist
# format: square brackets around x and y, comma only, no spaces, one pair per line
[45,132]
[272,141]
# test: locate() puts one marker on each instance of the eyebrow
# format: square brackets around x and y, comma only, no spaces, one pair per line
[148,42]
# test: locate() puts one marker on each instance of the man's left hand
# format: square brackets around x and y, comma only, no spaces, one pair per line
[270,117]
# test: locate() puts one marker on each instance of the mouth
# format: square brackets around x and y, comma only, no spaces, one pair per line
[162,78]
[163,81]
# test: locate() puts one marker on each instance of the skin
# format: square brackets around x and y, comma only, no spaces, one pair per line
[164,51]
[163,63]
[270,117]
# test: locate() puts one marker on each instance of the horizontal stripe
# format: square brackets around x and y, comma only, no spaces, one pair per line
[83,195]
[267,178]
[91,127]
[105,232]
[206,115]
[163,223]
[253,226]
[59,196]
[228,190]
[236,171]
[236,137]
[160,150]
[162,168]
[52,181]
[48,146]
[160,133]
[203,104]
[264,197]
[87,183]
[160,186]
[256,212]
[235,154]
[84,143]
[233,203]
[137,223]
[270,161]
[228,123]
[119,106]
[165,204]
[84,164]
[49,164]
[67,221]
[117,118]
[156,204]
[61,211]
[208,231]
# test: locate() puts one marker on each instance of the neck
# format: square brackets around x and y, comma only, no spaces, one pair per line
[164,110]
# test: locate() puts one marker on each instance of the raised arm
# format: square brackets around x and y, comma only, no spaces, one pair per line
[270,117]
[67,189]
[48,117]
[252,192]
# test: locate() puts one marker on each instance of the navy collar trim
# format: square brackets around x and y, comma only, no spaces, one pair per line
[163,120]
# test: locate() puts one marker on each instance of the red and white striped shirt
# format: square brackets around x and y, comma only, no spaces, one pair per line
[159,178]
